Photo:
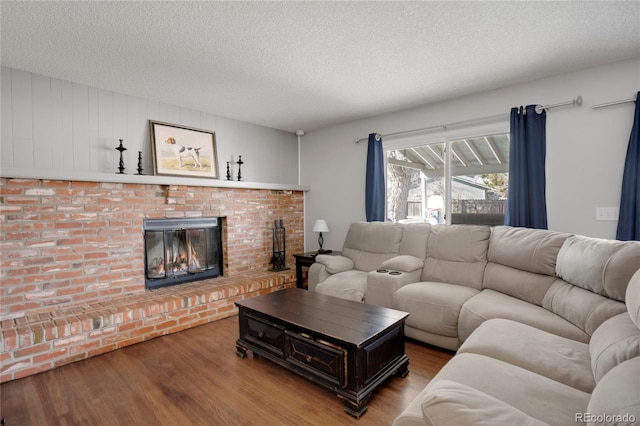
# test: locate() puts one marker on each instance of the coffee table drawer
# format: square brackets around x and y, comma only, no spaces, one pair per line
[317,357]
[266,335]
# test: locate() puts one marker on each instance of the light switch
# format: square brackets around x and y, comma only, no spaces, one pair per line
[607,213]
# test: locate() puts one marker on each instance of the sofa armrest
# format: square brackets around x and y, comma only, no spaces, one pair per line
[325,266]
[382,285]
[335,264]
[317,274]
[449,402]
[403,263]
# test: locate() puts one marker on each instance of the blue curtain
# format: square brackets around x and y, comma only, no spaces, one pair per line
[526,198]
[629,217]
[374,192]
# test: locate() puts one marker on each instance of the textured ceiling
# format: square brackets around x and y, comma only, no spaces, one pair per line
[307,65]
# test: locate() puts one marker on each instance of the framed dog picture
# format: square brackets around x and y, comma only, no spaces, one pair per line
[183,151]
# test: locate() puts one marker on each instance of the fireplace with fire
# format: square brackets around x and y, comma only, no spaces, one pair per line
[181,250]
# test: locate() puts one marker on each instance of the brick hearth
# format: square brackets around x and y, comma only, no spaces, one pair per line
[72,277]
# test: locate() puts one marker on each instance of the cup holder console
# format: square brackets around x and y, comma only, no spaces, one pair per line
[386,271]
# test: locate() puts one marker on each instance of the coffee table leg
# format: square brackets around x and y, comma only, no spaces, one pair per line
[241,351]
[355,408]
[403,370]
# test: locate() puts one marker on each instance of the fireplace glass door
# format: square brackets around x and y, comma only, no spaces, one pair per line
[181,252]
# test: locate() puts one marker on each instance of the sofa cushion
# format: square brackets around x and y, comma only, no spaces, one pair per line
[492,304]
[444,342]
[532,250]
[615,341]
[601,266]
[433,306]
[563,360]
[580,307]
[457,254]
[616,397]
[535,395]
[452,403]
[350,285]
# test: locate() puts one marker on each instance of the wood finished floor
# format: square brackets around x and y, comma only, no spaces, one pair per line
[195,378]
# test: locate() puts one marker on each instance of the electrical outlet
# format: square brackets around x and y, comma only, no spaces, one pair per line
[607,213]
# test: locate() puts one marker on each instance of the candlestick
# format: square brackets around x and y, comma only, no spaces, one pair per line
[239,163]
[121,148]
[140,169]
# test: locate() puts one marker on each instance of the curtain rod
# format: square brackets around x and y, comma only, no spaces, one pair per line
[577,101]
[539,108]
[606,104]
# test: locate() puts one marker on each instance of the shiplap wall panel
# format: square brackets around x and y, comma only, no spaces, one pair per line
[6,117]
[135,135]
[94,134]
[80,127]
[41,87]
[119,131]
[52,124]
[104,156]
[22,122]
[57,154]
[67,126]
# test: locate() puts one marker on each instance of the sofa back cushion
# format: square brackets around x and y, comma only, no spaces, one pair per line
[582,308]
[415,237]
[368,244]
[532,250]
[601,266]
[457,254]
[522,262]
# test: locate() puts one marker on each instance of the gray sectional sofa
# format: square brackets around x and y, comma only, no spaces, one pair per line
[530,312]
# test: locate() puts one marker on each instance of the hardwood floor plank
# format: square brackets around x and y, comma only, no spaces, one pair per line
[195,378]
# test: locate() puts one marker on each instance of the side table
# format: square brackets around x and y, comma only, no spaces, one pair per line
[305,260]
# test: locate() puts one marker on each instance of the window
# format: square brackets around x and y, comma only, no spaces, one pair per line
[448,180]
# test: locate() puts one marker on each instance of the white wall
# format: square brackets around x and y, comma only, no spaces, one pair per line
[50,124]
[585,149]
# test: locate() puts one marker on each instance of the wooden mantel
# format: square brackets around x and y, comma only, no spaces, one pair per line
[25,173]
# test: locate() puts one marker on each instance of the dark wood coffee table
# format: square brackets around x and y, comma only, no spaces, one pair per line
[348,347]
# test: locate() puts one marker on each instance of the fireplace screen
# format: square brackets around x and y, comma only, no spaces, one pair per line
[181,250]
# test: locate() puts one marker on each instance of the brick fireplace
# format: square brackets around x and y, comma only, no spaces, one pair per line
[72,266]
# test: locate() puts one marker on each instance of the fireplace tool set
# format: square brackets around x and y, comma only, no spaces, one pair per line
[279,251]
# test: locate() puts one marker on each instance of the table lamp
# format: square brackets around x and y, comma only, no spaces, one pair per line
[321,226]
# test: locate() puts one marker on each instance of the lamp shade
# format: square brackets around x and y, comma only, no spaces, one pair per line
[320,226]
[435,202]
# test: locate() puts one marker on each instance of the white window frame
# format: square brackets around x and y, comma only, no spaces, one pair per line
[444,136]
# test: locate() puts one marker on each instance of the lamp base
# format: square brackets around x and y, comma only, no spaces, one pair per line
[321,251]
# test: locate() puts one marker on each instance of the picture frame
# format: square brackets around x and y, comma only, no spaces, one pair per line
[183,151]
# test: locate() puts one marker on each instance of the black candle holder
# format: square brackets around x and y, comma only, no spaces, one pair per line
[121,148]
[228,172]
[140,169]
[239,163]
